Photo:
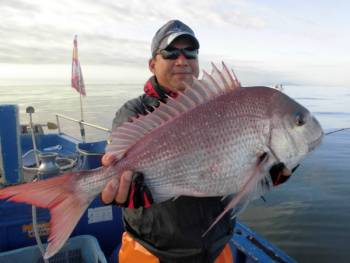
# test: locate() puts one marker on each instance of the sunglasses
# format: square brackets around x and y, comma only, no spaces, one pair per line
[174,53]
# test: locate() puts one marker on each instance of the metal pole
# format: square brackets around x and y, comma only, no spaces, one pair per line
[83,122]
[81,108]
[30,111]
[82,129]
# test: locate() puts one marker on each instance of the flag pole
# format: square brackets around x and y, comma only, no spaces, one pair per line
[82,128]
[78,84]
[81,108]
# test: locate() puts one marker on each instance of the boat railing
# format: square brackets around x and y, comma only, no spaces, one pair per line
[81,125]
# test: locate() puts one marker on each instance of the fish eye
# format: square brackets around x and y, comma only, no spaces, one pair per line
[299,119]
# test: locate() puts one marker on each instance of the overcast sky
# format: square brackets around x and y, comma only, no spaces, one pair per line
[305,42]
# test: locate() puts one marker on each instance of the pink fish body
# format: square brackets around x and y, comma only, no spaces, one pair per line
[215,139]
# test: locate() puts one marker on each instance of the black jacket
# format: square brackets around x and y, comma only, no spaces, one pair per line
[172,230]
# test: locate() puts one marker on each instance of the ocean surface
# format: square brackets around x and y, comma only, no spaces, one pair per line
[308,217]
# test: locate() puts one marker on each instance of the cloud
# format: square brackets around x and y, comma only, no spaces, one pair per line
[119,32]
[18,5]
[115,31]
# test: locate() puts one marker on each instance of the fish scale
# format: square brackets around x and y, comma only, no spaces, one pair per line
[186,165]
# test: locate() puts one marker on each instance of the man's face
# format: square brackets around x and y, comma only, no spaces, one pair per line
[172,73]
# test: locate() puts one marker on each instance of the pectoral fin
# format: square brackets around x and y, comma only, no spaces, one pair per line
[242,198]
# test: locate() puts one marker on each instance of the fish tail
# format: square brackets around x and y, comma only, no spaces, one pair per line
[61,196]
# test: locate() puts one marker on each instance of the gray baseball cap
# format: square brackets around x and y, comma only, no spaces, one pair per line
[169,32]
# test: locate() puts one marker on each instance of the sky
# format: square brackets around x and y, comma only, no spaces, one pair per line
[265,42]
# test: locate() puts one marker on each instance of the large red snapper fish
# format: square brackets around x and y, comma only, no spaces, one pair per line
[214,139]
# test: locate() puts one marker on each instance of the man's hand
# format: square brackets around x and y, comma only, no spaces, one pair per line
[280,173]
[111,192]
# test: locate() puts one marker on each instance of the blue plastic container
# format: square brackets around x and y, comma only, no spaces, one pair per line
[91,154]
[101,221]
[79,249]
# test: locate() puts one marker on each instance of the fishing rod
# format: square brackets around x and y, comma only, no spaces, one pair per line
[343,129]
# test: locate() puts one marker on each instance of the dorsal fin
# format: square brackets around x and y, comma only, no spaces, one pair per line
[201,91]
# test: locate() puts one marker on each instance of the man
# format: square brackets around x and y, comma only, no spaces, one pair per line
[170,231]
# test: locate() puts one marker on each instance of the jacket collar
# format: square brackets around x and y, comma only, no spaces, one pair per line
[153,89]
